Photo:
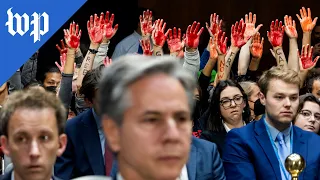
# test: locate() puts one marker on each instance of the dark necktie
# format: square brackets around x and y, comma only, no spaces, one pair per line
[108,159]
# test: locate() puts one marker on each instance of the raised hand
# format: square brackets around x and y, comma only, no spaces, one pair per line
[306,62]
[107,61]
[213,48]
[174,41]
[237,34]
[63,59]
[108,30]
[221,42]
[63,49]
[215,24]
[193,35]
[158,37]
[250,22]
[256,48]
[275,35]
[146,23]
[146,47]
[95,28]
[72,36]
[290,27]
[305,19]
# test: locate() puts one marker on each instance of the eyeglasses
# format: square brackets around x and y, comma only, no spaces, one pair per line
[307,114]
[226,103]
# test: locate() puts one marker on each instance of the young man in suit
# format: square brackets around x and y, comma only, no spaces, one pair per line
[33,133]
[85,153]
[146,116]
[259,150]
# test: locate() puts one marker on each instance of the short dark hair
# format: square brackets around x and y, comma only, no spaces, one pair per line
[214,122]
[49,70]
[306,98]
[33,98]
[312,76]
[90,83]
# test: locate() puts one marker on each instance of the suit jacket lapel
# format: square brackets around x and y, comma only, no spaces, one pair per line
[299,146]
[91,143]
[264,141]
[192,163]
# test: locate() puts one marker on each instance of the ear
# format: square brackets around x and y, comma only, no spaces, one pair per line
[262,99]
[5,145]
[88,102]
[112,133]
[62,144]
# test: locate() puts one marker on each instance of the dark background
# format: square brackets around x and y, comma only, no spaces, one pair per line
[181,13]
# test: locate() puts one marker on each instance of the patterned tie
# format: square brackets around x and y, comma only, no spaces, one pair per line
[283,152]
[108,159]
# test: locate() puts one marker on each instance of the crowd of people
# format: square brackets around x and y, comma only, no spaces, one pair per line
[144,114]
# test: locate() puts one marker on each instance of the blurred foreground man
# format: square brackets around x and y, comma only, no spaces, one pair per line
[33,134]
[146,106]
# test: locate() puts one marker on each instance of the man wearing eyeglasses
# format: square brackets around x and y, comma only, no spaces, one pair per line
[259,150]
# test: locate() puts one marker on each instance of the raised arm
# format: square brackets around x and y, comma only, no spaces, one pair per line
[307,25]
[158,37]
[291,31]
[305,61]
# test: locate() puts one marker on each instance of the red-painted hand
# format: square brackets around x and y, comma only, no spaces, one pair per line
[108,31]
[256,48]
[158,37]
[250,26]
[174,41]
[222,42]
[146,23]
[95,28]
[63,59]
[290,27]
[107,61]
[213,48]
[306,22]
[237,34]
[215,24]
[72,36]
[275,35]
[146,47]
[193,35]
[306,62]
[63,49]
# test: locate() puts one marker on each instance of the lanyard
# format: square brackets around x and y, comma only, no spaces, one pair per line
[282,168]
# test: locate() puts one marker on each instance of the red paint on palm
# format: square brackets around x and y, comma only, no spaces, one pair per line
[146,47]
[306,62]
[306,57]
[237,34]
[74,41]
[159,38]
[146,23]
[222,42]
[174,41]
[192,37]
[276,33]
[63,48]
[95,29]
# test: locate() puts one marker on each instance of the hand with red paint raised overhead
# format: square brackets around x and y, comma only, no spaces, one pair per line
[95,29]
[63,49]
[250,22]
[146,23]
[107,61]
[290,27]
[213,48]
[63,59]
[305,57]
[174,41]
[275,35]
[237,34]
[305,19]
[146,47]
[221,42]
[256,48]
[72,36]
[193,35]
[215,24]
[108,30]
[158,37]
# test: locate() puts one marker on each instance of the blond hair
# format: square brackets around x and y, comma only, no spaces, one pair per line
[247,86]
[287,75]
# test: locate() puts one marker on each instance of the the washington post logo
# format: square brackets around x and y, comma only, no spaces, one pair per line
[23,24]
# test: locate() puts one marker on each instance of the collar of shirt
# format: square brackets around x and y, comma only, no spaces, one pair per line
[183,175]
[226,126]
[274,132]
[12,176]
[136,35]
[97,119]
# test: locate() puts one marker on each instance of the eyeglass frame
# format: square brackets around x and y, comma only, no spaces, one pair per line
[308,118]
[229,100]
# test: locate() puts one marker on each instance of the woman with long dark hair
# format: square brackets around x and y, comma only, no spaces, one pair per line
[228,109]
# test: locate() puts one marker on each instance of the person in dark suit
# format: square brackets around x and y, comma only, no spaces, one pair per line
[146,116]
[259,150]
[228,109]
[85,153]
[33,133]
